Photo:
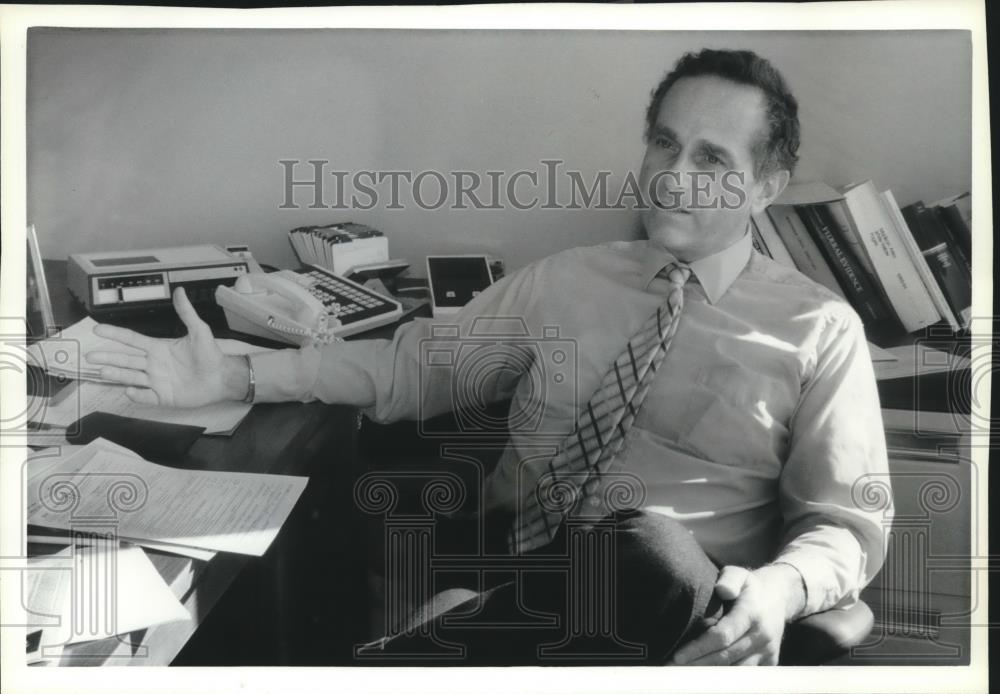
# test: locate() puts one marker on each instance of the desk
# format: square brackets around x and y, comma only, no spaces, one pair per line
[292,579]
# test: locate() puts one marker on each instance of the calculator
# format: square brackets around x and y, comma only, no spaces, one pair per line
[357,307]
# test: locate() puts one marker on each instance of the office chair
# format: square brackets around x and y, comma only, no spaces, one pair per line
[398,448]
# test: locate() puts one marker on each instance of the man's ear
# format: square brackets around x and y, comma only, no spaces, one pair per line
[768,189]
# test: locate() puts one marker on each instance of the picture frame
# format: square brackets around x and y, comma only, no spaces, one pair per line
[40,320]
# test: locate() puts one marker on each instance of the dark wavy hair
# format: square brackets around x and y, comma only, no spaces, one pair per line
[776,151]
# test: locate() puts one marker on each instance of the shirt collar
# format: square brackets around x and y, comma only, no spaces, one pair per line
[716,273]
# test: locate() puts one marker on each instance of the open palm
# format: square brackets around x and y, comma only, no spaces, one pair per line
[181,372]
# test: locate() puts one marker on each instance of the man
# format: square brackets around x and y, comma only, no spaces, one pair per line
[749,434]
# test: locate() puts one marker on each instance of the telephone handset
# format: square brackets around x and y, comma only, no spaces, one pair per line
[278,306]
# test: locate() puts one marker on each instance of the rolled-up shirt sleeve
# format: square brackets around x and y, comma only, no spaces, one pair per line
[412,375]
[834,526]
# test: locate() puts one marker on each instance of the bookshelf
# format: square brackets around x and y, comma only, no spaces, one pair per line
[907,272]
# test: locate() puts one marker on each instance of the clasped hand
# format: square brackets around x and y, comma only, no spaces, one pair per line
[184,372]
[750,632]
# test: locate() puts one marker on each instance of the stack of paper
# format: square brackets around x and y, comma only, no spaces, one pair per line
[155,505]
[86,592]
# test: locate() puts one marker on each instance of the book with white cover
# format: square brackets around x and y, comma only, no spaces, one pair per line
[919,261]
[893,265]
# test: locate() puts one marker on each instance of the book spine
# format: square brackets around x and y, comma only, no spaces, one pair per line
[936,246]
[844,225]
[960,232]
[758,243]
[919,262]
[857,285]
[770,237]
[893,266]
[802,248]
[295,238]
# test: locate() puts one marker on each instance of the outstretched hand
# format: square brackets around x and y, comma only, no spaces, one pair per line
[187,371]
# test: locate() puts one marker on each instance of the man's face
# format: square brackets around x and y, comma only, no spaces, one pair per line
[698,168]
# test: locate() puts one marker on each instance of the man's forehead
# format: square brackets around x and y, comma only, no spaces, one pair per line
[713,108]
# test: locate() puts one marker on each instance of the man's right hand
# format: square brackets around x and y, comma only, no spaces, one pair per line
[187,371]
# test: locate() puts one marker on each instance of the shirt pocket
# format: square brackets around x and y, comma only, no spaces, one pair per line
[738,417]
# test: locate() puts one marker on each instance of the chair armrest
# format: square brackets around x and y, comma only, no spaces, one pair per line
[823,636]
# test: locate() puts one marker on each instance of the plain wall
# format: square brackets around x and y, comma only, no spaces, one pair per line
[144,138]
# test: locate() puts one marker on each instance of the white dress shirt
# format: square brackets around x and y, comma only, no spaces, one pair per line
[761,420]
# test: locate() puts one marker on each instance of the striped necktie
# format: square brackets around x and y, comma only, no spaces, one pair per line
[572,477]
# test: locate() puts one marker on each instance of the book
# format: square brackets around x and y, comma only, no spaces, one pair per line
[919,262]
[757,242]
[769,236]
[859,287]
[936,245]
[848,231]
[893,266]
[802,248]
[956,212]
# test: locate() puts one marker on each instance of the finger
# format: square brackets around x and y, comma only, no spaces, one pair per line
[753,659]
[136,362]
[743,647]
[127,377]
[186,312]
[124,336]
[731,582]
[143,396]
[730,628]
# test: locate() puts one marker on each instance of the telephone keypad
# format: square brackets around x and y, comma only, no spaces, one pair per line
[345,300]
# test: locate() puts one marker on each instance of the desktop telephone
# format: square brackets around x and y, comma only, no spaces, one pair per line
[293,307]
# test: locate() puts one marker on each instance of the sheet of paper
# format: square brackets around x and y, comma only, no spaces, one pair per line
[217,418]
[64,353]
[101,592]
[880,354]
[43,461]
[63,538]
[46,587]
[917,360]
[220,511]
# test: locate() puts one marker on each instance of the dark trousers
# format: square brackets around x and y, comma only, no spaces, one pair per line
[628,589]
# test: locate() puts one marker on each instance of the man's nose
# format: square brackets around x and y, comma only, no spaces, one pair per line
[676,182]
[684,168]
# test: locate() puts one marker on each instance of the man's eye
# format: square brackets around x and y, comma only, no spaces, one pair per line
[712,159]
[665,143]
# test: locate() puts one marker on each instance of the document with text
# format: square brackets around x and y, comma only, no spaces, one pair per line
[219,511]
[88,592]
